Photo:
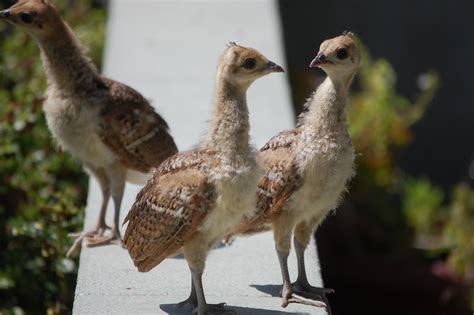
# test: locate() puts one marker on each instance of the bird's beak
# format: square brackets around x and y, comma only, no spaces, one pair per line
[5,14]
[320,59]
[273,67]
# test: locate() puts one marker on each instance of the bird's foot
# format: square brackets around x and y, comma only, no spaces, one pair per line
[292,294]
[79,236]
[213,309]
[308,290]
[304,289]
[101,240]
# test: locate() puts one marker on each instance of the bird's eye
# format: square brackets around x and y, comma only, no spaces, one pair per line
[26,18]
[249,63]
[342,53]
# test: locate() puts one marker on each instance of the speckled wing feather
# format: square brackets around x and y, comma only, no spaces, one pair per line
[279,181]
[168,210]
[284,139]
[131,128]
[187,159]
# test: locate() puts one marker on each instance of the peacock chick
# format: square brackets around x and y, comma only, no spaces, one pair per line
[106,125]
[307,169]
[195,196]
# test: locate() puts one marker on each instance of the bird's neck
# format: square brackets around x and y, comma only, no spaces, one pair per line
[229,132]
[67,67]
[326,112]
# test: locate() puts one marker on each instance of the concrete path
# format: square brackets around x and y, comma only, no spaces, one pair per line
[168,50]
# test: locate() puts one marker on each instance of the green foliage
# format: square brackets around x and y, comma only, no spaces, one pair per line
[444,228]
[421,204]
[460,232]
[42,191]
[380,122]
[380,119]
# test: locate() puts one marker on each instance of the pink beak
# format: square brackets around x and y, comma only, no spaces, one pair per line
[319,60]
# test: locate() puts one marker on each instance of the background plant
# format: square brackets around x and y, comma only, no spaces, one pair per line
[42,190]
[412,211]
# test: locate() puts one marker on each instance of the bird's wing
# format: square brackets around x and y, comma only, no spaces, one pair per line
[279,181]
[284,139]
[168,210]
[187,159]
[131,128]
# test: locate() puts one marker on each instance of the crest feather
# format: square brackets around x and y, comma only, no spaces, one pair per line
[348,33]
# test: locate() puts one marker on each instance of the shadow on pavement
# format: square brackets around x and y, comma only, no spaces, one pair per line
[170,309]
[270,289]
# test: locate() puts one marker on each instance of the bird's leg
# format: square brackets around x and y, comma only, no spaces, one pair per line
[114,236]
[100,226]
[287,292]
[301,282]
[301,286]
[118,186]
[282,234]
[195,253]
[202,307]
[191,300]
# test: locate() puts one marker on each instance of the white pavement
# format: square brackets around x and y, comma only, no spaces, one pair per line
[168,50]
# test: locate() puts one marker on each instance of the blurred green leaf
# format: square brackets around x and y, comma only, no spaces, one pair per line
[42,190]
[380,123]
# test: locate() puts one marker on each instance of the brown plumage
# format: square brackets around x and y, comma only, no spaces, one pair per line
[306,170]
[170,209]
[108,126]
[280,179]
[195,196]
[132,129]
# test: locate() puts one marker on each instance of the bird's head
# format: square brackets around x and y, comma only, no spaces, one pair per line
[38,17]
[242,65]
[339,57]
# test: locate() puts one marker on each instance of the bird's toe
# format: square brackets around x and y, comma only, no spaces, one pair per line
[294,294]
[96,241]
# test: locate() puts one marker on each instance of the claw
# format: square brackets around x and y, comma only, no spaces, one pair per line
[74,247]
[306,289]
[295,294]
[294,298]
[80,236]
[308,295]
[95,241]
[74,235]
